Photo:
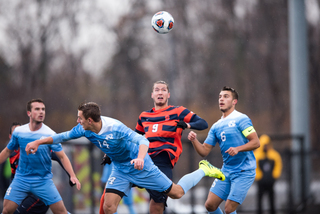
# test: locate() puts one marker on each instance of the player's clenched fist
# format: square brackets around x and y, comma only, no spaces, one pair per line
[138,163]
[31,148]
[192,136]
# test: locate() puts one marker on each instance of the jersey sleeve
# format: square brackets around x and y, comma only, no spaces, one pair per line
[211,138]
[245,126]
[139,127]
[185,114]
[74,133]
[123,132]
[56,147]
[13,143]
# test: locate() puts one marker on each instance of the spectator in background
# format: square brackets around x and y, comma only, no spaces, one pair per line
[269,168]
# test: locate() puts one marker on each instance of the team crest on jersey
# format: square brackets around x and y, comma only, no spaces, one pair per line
[109,137]
[232,123]
[167,117]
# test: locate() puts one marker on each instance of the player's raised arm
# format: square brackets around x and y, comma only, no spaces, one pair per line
[32,147]
[203,149]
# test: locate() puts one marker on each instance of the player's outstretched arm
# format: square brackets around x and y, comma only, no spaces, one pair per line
[68,167]
[32,147]
[202,149]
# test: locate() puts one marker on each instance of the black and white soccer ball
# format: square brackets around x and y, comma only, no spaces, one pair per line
[162,22]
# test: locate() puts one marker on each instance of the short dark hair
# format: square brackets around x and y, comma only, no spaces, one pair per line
[161,82]
[90,109]
[12,125]
[233,91]
[37,100]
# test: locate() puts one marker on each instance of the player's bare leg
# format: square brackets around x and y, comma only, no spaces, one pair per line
[111,203]
[9,207]
[176,191]
[58,208]
[230,206]
[156,208]
[213,202]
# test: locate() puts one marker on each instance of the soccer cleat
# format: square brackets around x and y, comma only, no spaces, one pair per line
[211,171]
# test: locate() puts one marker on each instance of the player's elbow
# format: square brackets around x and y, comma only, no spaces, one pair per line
[257,144]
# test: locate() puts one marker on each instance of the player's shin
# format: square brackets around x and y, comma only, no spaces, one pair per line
[190,180]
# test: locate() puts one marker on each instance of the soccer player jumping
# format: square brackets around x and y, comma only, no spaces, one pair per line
[128,152]
[163,126]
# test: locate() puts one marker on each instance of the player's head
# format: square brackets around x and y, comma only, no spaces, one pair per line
[12,127]
[36,110]
[160,82]
[160,94]
[233,92]
[88,113]
[228,98]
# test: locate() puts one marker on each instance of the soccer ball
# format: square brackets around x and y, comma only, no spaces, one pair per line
[162,22]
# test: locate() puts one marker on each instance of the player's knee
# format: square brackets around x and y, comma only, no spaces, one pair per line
[109,209]
[176,195]
[228,210]
[176,192]
[210,207]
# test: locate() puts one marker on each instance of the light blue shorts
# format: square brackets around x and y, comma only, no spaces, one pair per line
[235,187]
[152,178]
[45,190]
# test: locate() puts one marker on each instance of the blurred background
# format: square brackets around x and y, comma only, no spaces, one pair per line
[67,52]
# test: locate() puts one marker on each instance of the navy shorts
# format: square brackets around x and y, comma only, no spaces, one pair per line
[163,162]
[32,204]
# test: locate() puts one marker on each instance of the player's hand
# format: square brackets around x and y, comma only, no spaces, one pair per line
[74,181]
[138,163]
[192,136]
[32,147]
[105,160]
[232,151]
[182,124]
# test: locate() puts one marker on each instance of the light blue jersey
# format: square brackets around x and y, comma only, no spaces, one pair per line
[115,139]
[121,144]
[230,132]
[36,166]
[33,174]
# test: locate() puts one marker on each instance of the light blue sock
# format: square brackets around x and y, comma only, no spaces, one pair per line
[190,180]
[235,212]
[131,209]
[217,211]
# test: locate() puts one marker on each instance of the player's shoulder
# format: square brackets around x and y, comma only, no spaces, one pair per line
[110,124]
[176,108]
[46,130]
[23,128]
[237,115]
